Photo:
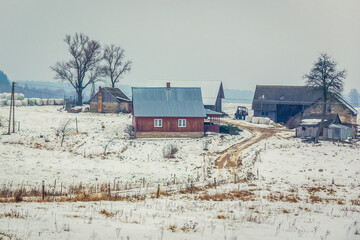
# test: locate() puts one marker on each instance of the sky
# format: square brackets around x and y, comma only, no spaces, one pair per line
[241,43]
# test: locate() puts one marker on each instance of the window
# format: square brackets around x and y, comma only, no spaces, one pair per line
[182,123]
[157,122]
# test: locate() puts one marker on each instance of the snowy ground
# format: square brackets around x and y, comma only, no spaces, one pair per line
[34,153]
[298,190]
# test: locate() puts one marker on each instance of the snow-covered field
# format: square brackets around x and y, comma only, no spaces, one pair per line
[34,153]
[298,190]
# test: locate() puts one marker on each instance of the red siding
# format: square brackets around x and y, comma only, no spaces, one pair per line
[169,124]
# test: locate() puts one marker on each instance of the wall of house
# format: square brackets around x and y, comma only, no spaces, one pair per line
[169,124]
[169,134]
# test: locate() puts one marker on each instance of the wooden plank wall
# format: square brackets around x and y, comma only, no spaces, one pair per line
[169,124]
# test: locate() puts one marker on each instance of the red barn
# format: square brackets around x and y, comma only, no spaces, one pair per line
[168,112]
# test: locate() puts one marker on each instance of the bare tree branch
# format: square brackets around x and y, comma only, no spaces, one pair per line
[114,66]
[83,67]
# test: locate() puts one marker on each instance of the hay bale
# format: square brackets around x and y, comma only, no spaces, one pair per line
[51,102]
[32,102]
[7,96]
[59,101]
[255,120]
[20,96]
[25,102]
[45,101]
[248,119]
[264,121]
[18,103]
[38,102]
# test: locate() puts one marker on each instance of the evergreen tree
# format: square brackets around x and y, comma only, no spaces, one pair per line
[4,82]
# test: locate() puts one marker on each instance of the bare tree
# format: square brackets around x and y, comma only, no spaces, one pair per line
[63,131]
[83,67]
[324,77]
[115,66]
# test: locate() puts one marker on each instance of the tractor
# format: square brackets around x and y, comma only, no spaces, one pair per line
[241,112]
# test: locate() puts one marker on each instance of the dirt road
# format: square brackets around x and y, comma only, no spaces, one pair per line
[230,156]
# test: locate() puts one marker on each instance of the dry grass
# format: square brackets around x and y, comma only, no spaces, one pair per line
[355,202]
[172,228]
[12,214]
[8,236]
[107,214]
[242,195]
[280,197]
[221,217]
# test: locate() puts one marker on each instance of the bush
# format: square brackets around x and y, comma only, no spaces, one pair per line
[20,98]
[228,129]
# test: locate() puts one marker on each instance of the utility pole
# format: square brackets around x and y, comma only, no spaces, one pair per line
[12,109]
[13,102]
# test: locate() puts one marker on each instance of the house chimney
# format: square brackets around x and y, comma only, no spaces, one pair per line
[168,85]
[99,100]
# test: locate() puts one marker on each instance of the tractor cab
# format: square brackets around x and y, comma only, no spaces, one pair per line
[241,112]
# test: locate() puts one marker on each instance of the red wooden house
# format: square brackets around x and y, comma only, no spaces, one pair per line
[168,112]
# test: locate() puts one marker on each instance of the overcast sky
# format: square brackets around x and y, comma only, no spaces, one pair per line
[242,43]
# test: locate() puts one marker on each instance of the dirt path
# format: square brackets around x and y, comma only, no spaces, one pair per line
[230,156]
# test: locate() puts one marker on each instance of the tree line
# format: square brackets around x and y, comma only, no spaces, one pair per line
[90,63]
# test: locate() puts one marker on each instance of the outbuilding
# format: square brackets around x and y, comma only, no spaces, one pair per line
[167,112]
[333,129]
[110,100]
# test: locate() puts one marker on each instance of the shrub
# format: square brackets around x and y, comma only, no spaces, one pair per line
[228,129]
[20,98]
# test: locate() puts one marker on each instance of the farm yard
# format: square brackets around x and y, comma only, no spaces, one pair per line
[285,187]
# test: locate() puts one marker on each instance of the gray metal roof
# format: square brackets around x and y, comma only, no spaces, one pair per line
[212,112]
[163,102]
[210,90]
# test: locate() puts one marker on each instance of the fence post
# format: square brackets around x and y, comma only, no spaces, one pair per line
[235,178]
[158,191]
[215,182]
[109,190]
[191,187]
[43,190]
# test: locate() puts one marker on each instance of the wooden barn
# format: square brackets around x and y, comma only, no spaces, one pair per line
[110,100]
[212,91]
[168,112]
[290,104]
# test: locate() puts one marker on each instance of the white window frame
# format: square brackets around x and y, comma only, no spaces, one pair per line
[158,122]
[180,122]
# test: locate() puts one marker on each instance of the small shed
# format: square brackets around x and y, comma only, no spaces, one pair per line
[168,112]
[333,129]
[212,121]
[110,100]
